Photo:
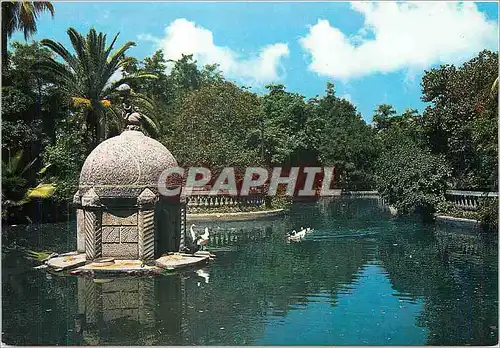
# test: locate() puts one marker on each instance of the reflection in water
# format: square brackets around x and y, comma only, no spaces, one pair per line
[203,273]
[106,304]
[360,278]
[377,315]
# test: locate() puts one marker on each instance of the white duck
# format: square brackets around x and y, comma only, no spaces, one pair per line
[193,234]
[296,236]
[199,241]
[203,239]
[195,246]
[309,230]
[301,233]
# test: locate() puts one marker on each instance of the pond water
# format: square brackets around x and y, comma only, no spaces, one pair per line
[360,278]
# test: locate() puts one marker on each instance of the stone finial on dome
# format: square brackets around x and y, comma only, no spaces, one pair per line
[146,197]
[129,113]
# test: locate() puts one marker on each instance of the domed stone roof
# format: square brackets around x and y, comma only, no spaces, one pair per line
[123,166]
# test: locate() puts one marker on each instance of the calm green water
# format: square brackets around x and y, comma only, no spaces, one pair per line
[361,278]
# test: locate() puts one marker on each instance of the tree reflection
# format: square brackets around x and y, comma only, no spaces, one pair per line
[455,274]
[257,276]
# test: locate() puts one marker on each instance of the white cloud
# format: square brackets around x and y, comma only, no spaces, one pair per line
[405,35]
[185,37]
[116,76]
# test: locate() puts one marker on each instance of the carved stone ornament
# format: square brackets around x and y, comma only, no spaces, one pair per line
[91,199]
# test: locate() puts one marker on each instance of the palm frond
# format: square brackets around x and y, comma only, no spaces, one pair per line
[79,45]
[110,47]
[113,61]
[59,49]
[494,86]
[27,14]
[61,75]
[86,72]
[38,255]
[41,191]
[28,166]
[41,6]
[126,79]
[150,126]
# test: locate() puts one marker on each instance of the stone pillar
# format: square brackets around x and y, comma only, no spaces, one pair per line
[80,223]
[93,229]
[146,223]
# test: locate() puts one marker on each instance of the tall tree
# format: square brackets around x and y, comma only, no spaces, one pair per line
[345,141]
[91,75]
[217,127]
[462,120]
[382,115]
[30,104]
[21,15]
[284,119]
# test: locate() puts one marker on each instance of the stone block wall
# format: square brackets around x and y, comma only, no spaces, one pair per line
[128,228]
[120,234]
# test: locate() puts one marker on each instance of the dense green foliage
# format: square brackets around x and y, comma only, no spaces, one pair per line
[59,105]
[412,179]
[452,144]
[208,129]
[462,121]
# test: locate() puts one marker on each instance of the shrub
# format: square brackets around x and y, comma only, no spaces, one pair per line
[412,179]
[65,158]
[488,215]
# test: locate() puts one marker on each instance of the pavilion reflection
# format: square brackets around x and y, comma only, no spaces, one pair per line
[105,302]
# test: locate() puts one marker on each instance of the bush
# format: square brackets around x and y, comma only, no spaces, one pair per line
[412,180]
[66,159]
[488,215]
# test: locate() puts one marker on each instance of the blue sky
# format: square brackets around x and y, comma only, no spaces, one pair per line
[373,52]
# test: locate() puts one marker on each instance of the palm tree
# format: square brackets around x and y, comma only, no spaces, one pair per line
[21,15]
[90,78]
[15,191]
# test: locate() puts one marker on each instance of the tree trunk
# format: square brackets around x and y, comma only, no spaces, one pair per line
[92,129]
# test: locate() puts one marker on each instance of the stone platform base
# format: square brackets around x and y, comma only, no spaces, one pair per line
[78,264]
[118,266]
[182,260]
[67,261]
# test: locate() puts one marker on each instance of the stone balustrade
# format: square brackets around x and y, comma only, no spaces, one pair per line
[230,237]
[203,202]
[469,200]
